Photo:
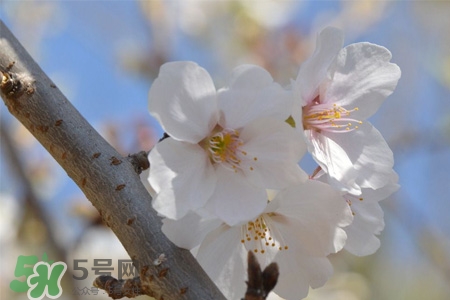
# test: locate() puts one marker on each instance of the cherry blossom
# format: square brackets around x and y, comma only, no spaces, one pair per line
[336,90]
[224,147]
[298,229]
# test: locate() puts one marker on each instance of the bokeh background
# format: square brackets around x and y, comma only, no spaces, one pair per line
[104,56]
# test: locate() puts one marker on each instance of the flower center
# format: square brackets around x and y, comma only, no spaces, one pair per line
[224,148]
[261,234]
[328,117]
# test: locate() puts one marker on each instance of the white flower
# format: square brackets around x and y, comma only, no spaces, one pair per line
[225,148]
[297,230]
[368,216]
[335,92]
[368,219]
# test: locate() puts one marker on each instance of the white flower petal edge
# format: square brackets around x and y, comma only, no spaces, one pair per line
[189,231]
[313,71]
[183,99]
[173,164]
[368,219]
[362,233]
[250,94]
[361,76]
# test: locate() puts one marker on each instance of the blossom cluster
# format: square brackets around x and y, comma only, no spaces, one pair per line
[227,178]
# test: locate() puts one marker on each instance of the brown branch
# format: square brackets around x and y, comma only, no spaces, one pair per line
[115,190]
[139,161]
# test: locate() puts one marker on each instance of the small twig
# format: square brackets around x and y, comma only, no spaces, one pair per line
[259,283]
[165,136]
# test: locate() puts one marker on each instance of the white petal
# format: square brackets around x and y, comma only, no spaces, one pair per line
[369,153]
[249,77]
[224,259]
[144,179]
[371,195]
[298,272]
[361,76]
[367,223]
[310,217]
[333,160]
[368,218]
[313,71]
[182,176]
[273,151]
[273,296]
[235,200]
[183,99]
[252,94]
[189,231]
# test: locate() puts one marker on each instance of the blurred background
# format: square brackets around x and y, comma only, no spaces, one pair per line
[104,56]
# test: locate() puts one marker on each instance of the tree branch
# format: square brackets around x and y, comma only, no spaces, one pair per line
[114,189]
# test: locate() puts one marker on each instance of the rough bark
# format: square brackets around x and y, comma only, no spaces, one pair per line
[114,189]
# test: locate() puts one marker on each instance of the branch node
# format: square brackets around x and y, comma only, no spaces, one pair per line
[115,161]
[130,221]
[120,187]
[117,289]
[139,161]
[15,84]
[10,65]
[163,273]
[10,84]
[162,258]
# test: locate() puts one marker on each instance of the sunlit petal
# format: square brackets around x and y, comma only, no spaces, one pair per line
[183,100]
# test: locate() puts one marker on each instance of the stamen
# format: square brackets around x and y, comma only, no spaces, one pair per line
[327,117]
[261,235]
[350,199]
[224,148]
